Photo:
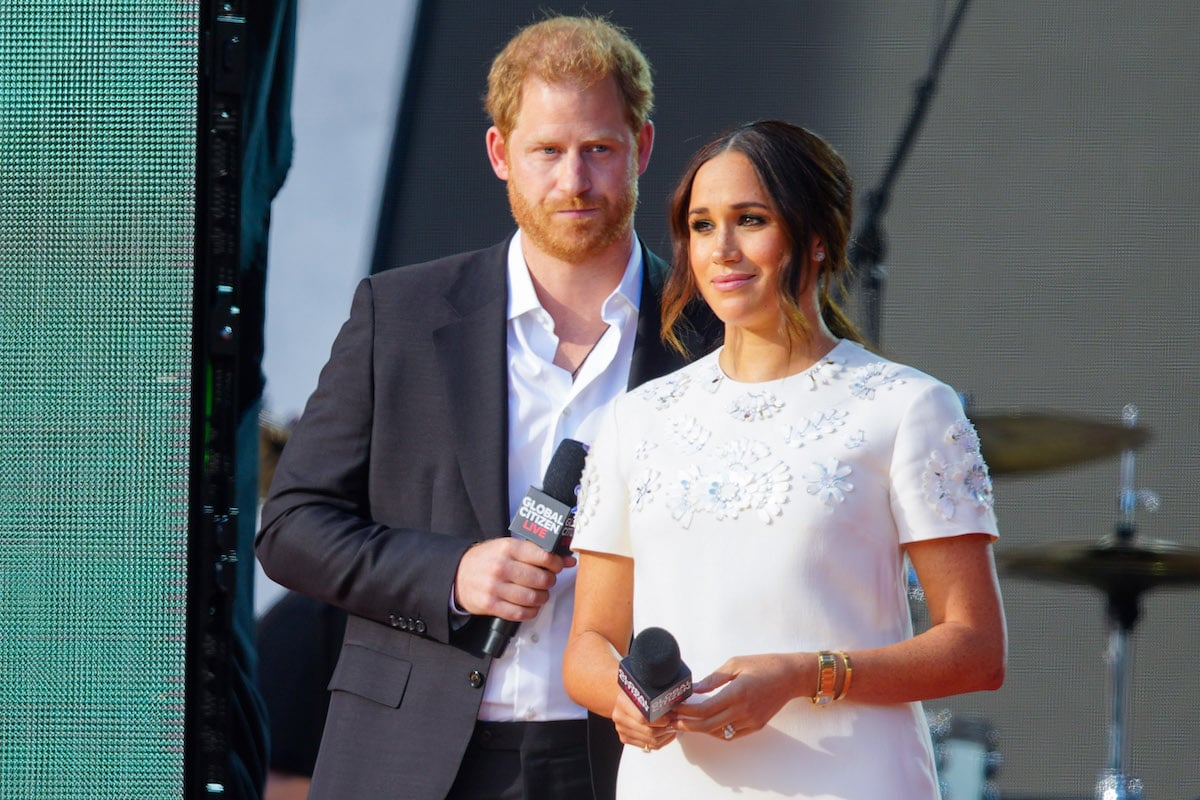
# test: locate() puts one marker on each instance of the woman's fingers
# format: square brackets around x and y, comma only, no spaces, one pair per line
[634,729]
[752,690]
[714,681]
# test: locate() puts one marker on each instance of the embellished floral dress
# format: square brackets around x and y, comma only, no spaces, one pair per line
[769,517]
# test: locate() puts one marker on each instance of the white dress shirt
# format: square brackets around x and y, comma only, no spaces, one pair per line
[545,406]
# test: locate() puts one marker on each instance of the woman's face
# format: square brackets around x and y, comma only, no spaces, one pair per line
[736,245]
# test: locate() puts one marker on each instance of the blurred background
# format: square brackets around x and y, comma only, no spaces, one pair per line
[1040,237]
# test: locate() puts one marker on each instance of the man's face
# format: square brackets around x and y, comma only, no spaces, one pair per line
[572,164]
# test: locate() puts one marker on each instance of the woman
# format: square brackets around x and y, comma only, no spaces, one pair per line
[758,504]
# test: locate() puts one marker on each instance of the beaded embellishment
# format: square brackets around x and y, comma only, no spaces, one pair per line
[754,406]
[873,377]
[957,475]
[666,391]
[817,426]
[828,481]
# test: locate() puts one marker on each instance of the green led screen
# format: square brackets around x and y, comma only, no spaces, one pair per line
[97,222]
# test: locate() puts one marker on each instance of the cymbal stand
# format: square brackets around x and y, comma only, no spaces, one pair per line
[1123,609]
[868,248]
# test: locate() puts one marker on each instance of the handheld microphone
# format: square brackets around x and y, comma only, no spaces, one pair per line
[653,675]
[545,517]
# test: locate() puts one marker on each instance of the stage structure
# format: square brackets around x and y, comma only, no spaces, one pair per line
[120,328]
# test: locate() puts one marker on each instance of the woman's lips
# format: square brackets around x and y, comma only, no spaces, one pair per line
[731,281]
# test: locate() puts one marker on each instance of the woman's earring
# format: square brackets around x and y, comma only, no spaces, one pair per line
[820,255]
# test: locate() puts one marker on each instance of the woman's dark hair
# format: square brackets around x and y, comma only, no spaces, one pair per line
[811,188]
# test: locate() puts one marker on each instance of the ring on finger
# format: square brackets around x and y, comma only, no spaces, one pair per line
[645,748]
[729,731]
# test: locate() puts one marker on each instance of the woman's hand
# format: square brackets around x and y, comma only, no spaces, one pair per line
[633,729]
[753,689]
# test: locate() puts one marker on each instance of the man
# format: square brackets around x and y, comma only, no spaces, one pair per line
[446,394]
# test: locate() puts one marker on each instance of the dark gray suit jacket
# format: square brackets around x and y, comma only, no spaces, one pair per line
[399,464]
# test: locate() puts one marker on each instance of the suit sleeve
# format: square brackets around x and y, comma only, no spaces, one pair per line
[317,534]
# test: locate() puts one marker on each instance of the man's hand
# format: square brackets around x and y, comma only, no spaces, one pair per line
[507,577]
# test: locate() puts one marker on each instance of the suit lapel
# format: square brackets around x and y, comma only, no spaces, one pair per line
[651,358]
[472,355]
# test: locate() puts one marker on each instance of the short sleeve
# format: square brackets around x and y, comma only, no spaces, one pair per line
[940,483]
[602,521]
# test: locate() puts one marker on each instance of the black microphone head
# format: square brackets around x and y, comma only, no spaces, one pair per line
[565,471]
[654,658]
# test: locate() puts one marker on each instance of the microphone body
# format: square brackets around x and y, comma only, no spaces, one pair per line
[545,517]
[653,675]
[546,521]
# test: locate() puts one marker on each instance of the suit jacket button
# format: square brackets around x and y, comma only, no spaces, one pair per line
[393,621]
[420,627]
[475,678]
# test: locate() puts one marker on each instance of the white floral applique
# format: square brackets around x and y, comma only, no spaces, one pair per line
[963,434]
[743,452]
[645,485]
[762,485]
[768,491]
[871,378]
[642,451]
[958,474]
[696,492]
[747,480]
[588,497]
[755,406]
[664,392]
[686,494]
[725,493]
[711,377]
[825,372]
[827,481]
[691,434]
[815,427]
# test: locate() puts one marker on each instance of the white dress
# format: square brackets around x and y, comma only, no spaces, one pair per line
[769,517]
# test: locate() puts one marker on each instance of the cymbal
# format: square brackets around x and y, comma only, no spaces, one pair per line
[1027,442]
[1107,564]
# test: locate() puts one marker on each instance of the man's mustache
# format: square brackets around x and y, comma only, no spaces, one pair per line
[578,204]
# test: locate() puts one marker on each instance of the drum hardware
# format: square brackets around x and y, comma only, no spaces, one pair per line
[1123,568]
[1035,441]
[966,754]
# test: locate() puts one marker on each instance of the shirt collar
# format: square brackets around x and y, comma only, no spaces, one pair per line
[521,295]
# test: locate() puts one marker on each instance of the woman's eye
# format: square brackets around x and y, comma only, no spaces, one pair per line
[751,219]
[701,225]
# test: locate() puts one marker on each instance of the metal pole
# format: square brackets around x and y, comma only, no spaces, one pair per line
[869,247]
